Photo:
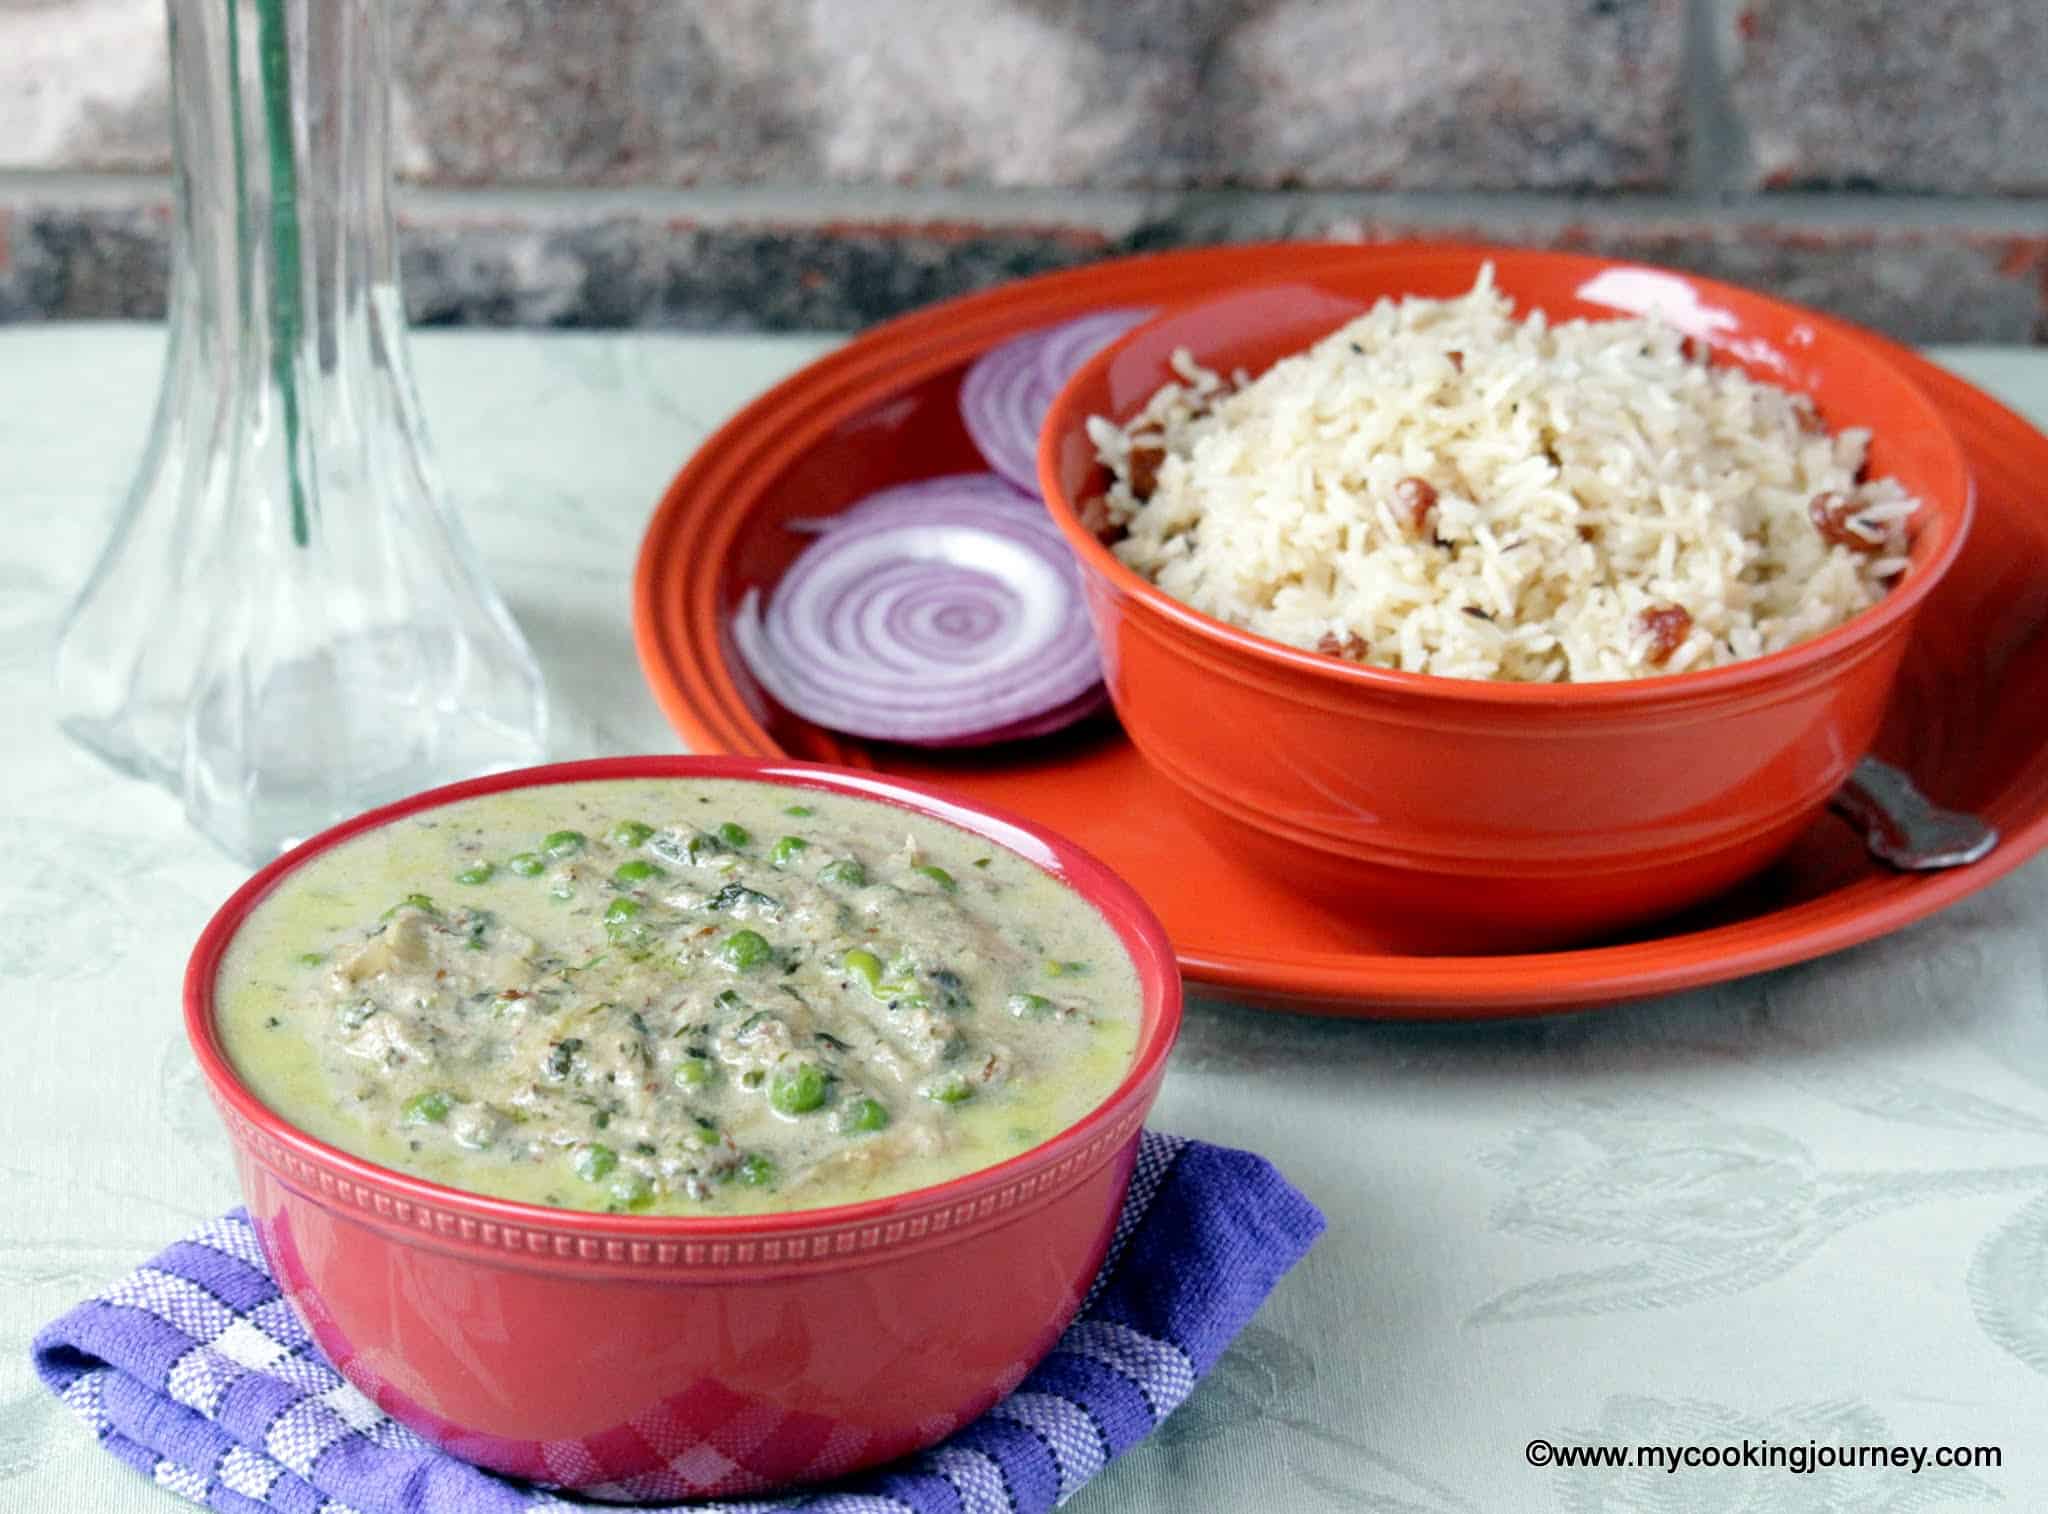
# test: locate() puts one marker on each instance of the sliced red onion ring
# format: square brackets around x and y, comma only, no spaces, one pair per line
[941,613]
[982,491]
[1006,394]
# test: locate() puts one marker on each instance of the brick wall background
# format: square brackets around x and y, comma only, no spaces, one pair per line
[777,163]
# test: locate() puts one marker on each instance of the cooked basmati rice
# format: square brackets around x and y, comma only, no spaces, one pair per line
[1591,479]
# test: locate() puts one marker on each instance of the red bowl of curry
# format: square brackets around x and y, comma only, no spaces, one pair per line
[735,1294]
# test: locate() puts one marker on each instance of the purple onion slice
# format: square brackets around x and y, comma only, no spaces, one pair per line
[1006,394]
[942,613]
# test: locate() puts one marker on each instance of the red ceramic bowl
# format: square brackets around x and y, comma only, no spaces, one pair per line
[655,1357]
[1481,815]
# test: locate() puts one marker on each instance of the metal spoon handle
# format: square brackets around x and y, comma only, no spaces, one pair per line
[1905,828]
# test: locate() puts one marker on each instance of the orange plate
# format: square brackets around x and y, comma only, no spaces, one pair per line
[1969,718]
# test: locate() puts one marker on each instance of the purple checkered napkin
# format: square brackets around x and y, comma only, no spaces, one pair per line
[196,1372]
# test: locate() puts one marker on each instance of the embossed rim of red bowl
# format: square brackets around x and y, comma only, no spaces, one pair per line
[1116,901]
[1953,507]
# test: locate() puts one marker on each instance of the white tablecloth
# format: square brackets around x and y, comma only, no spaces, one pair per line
[1805,1208]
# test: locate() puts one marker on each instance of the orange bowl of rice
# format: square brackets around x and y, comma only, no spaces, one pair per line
[1512,597]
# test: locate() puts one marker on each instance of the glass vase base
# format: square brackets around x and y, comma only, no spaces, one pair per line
[318,741]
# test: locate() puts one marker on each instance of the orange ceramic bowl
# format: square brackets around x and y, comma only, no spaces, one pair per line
[1483,815]
[664,1357]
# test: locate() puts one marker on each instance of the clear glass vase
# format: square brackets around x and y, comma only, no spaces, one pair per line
[289,624]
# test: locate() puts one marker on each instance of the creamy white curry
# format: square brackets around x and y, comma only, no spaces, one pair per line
[672,996]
